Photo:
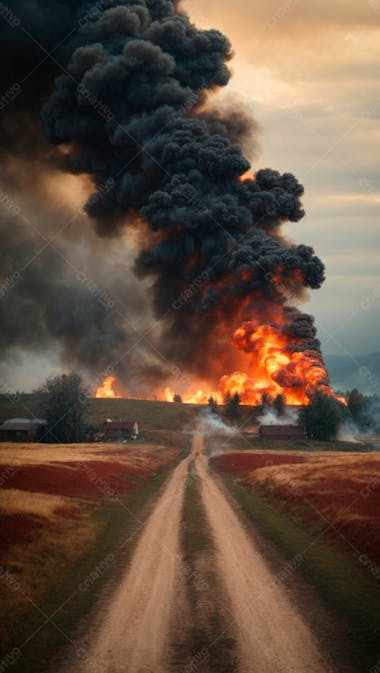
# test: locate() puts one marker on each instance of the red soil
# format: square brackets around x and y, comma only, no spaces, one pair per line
[18,529]
[92,479]
[236,462]
[355,518]
[114,468]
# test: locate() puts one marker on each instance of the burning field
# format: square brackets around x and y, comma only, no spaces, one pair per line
[53,504]
[337,495]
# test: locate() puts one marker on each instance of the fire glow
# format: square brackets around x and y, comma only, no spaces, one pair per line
[276,367]
[106,389]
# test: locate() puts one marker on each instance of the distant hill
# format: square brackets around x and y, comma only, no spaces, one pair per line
[358,371]
[154,415]
[157,415]
[150,414]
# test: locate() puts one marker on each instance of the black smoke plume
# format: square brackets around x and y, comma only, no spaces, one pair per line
[129,109]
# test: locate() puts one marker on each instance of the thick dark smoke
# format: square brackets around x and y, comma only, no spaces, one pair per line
[129,109]
[67,299]
[49,299]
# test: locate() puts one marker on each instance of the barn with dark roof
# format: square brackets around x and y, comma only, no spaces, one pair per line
[23,430]
[119,430]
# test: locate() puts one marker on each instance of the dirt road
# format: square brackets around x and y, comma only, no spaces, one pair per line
[134,635]
[138,628]
[270,632]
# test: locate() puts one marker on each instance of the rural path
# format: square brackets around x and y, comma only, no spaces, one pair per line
[134,635]
[138,627]
[269,630]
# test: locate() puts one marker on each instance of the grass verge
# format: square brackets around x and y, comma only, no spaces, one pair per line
[345,588]
[47,632]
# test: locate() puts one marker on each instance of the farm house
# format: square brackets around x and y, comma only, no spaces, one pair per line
[23,430]
[118,430]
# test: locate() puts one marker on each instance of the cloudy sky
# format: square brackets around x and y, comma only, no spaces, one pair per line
[309,72]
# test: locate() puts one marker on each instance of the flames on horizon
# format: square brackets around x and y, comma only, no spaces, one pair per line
[106,390]
[275,366]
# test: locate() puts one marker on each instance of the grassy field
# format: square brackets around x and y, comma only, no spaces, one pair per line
[150,414]
[324,509]
[343,493]
[333,492]
[62,511]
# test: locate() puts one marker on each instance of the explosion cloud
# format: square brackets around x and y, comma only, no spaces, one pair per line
[130,109]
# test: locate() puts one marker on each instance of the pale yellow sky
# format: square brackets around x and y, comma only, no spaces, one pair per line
[309,72]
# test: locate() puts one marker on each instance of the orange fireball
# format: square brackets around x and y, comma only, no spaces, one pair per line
[276,367]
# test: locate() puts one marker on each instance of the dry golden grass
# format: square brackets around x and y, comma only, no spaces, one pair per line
[44,535]
[28,570]
[48,454]
[14,501]
[18,458]
[359,468]
[342,490]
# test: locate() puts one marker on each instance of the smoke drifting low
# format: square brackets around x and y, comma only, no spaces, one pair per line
[50,301]
[129,109]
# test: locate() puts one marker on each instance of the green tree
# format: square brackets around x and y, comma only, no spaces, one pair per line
[279,405]
[62,402]
[213,405]
[322,417]
[364,410]
[227,399]
[356,404]
[266,403]
[232,409]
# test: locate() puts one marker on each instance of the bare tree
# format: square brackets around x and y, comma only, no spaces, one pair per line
[62,402]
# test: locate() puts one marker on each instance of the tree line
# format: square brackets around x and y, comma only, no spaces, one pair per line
[322,417]
[62,402]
